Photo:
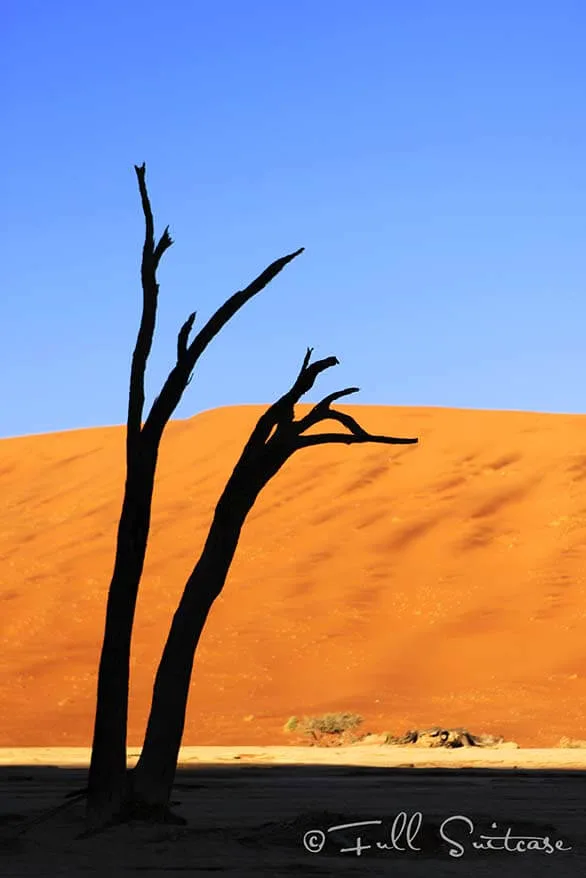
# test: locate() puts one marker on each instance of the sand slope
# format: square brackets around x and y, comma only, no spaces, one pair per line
[437,584]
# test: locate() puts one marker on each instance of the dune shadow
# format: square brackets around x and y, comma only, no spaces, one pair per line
[407,534]
[505,460]
[499,500]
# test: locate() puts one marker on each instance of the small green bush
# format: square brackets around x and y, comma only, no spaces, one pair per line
[332,723]
[291,724]
[327,724]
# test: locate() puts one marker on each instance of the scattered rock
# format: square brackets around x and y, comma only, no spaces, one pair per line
[452,738]
[372,739]
[574,743]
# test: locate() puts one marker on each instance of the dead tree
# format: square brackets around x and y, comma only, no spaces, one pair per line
[107,774]
[275,438]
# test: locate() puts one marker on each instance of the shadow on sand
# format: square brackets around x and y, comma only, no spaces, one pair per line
[278,820]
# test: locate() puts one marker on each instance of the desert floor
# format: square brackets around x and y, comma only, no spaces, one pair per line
[438,584]
[256,811]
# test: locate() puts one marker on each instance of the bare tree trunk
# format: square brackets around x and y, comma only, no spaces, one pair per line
[274,439]
[107,775]
[152,779]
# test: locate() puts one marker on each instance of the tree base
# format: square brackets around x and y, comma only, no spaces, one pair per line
[133,809]
[144,813]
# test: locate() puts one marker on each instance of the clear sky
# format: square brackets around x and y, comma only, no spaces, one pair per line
[430,155]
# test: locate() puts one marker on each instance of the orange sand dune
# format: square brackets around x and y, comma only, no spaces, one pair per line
[435,584]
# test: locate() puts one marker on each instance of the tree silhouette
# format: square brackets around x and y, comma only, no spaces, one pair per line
[275,438]
[107,775]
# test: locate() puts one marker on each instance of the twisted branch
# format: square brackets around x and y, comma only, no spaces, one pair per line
[277,435]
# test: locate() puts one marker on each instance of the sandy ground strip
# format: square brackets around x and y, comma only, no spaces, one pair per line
[368,755]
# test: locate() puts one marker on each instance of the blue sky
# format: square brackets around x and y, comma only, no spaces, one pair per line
[428,155]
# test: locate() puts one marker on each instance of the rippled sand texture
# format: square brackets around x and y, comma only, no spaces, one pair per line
[435,584]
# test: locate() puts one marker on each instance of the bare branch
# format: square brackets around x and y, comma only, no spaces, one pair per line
[172,390]
[287,438]
[321,411]
[342,418]
[337,394]
[234,303]
[149,242]
[306,378]
[350,439]
[165,241]
[282,412]
[183,336]
[146,329]
[306,359]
